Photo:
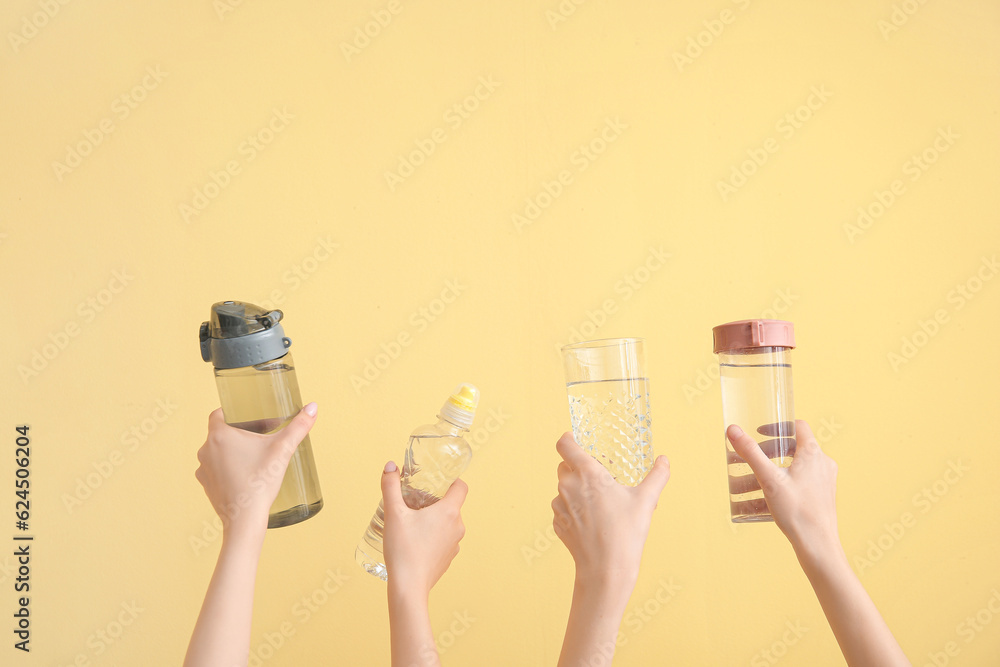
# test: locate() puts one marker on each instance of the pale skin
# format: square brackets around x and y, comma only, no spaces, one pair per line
[241,473]
[604,526]
[802,500]
[418,546]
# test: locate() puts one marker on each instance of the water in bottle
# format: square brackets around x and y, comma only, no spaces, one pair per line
[436,456]
[255,375]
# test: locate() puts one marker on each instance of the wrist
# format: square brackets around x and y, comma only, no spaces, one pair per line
[819,557]
[406,591]
[613,587]
[245,534]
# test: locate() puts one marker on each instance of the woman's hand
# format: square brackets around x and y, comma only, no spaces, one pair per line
[604,524]
[241,471]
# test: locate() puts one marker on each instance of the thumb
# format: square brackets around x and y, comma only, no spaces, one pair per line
[656,478]
[392,493]
[296,430]
[456,493]
[750,451]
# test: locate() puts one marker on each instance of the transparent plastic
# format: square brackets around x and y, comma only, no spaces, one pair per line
[609,404]
[232,319]
[757,397]
[437,455]
[263,399]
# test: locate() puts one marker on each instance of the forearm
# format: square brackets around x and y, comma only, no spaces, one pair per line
[410,634]
[862,633]
[222,633]
[594,619]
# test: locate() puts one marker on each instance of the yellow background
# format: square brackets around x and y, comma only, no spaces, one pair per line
[778,243]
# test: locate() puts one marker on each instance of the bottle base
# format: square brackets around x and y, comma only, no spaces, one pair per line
[370,565]
[754,518]
[294,515]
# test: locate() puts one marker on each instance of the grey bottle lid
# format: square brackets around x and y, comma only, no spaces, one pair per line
[241,334]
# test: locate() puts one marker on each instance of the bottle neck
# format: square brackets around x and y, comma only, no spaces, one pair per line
[451,427]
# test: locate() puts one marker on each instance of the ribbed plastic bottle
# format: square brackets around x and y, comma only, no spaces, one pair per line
[437,455]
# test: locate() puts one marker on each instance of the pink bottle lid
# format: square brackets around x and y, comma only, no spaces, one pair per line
[752,334]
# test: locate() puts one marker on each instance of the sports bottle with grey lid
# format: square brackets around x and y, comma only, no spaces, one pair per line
[258,390]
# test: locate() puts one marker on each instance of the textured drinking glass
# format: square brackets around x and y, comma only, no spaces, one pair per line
[755,371]
[609,404]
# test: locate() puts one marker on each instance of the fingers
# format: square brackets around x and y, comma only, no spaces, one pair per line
[773,449]
[739,484]
[805,435]
[780,429]
[571,452]
[656,479]
[748,507]
[456,493]
[297,430]
[749,451]
[264,426]
[392,494]
[216,418]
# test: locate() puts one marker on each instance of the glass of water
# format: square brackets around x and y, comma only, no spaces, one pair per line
[609,404]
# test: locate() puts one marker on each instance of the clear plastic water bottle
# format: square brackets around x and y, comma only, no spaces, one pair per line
[437,455]
[755,370]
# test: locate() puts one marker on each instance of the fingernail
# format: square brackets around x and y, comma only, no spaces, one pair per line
[735,431]
[311,409]
[390,466]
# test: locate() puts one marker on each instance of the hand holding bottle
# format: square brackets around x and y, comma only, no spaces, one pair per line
[802,500]
[241,471]
[418,545]
[802,497]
